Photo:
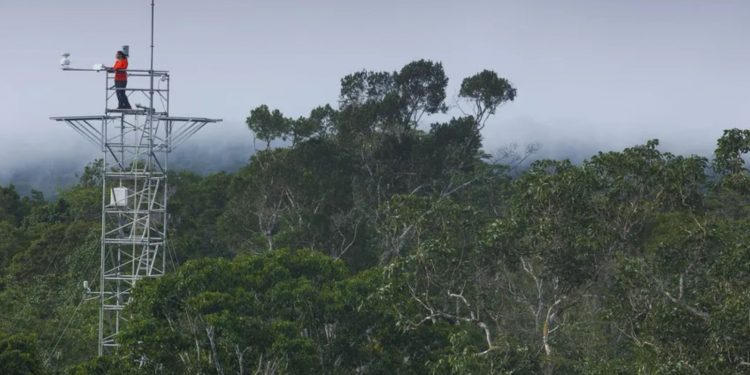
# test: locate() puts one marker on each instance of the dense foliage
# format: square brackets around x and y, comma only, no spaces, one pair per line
[371,244]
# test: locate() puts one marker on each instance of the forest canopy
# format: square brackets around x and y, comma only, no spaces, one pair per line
[373,242]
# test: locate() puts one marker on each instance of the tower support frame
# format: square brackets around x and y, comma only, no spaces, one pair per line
[135,144]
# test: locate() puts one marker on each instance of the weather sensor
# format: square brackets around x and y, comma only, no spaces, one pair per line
[65,61]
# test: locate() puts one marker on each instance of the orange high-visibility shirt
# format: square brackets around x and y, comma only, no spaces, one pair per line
[118,67]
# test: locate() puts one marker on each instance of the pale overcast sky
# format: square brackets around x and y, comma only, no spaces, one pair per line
[590,74]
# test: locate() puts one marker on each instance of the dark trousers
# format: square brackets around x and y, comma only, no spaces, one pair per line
[122,97]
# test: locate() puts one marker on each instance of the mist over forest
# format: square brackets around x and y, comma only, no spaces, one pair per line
[229,149]
[59,172]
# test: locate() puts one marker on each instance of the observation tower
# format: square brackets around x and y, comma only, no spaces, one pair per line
[135,145]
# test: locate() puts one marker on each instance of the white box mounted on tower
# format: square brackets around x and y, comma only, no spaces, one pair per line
[119,197]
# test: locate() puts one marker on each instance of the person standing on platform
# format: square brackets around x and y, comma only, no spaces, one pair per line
[121,80]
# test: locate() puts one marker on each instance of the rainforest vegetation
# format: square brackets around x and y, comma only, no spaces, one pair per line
[374,242]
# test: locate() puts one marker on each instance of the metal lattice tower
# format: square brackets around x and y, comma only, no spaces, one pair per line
[135,144]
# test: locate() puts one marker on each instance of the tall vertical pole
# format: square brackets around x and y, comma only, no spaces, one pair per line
[151,65]
[102,254]
[150,114]
[152,134]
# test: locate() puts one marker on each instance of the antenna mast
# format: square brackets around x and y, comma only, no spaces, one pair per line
[151,64]
[135,145]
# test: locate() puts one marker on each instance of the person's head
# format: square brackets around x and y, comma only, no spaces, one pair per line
[120,55]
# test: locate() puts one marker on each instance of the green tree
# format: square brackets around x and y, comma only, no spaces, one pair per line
[268,125]
[222,316]
[12,209]
[19,355]
[195,208]
[730,147]
[487,92]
